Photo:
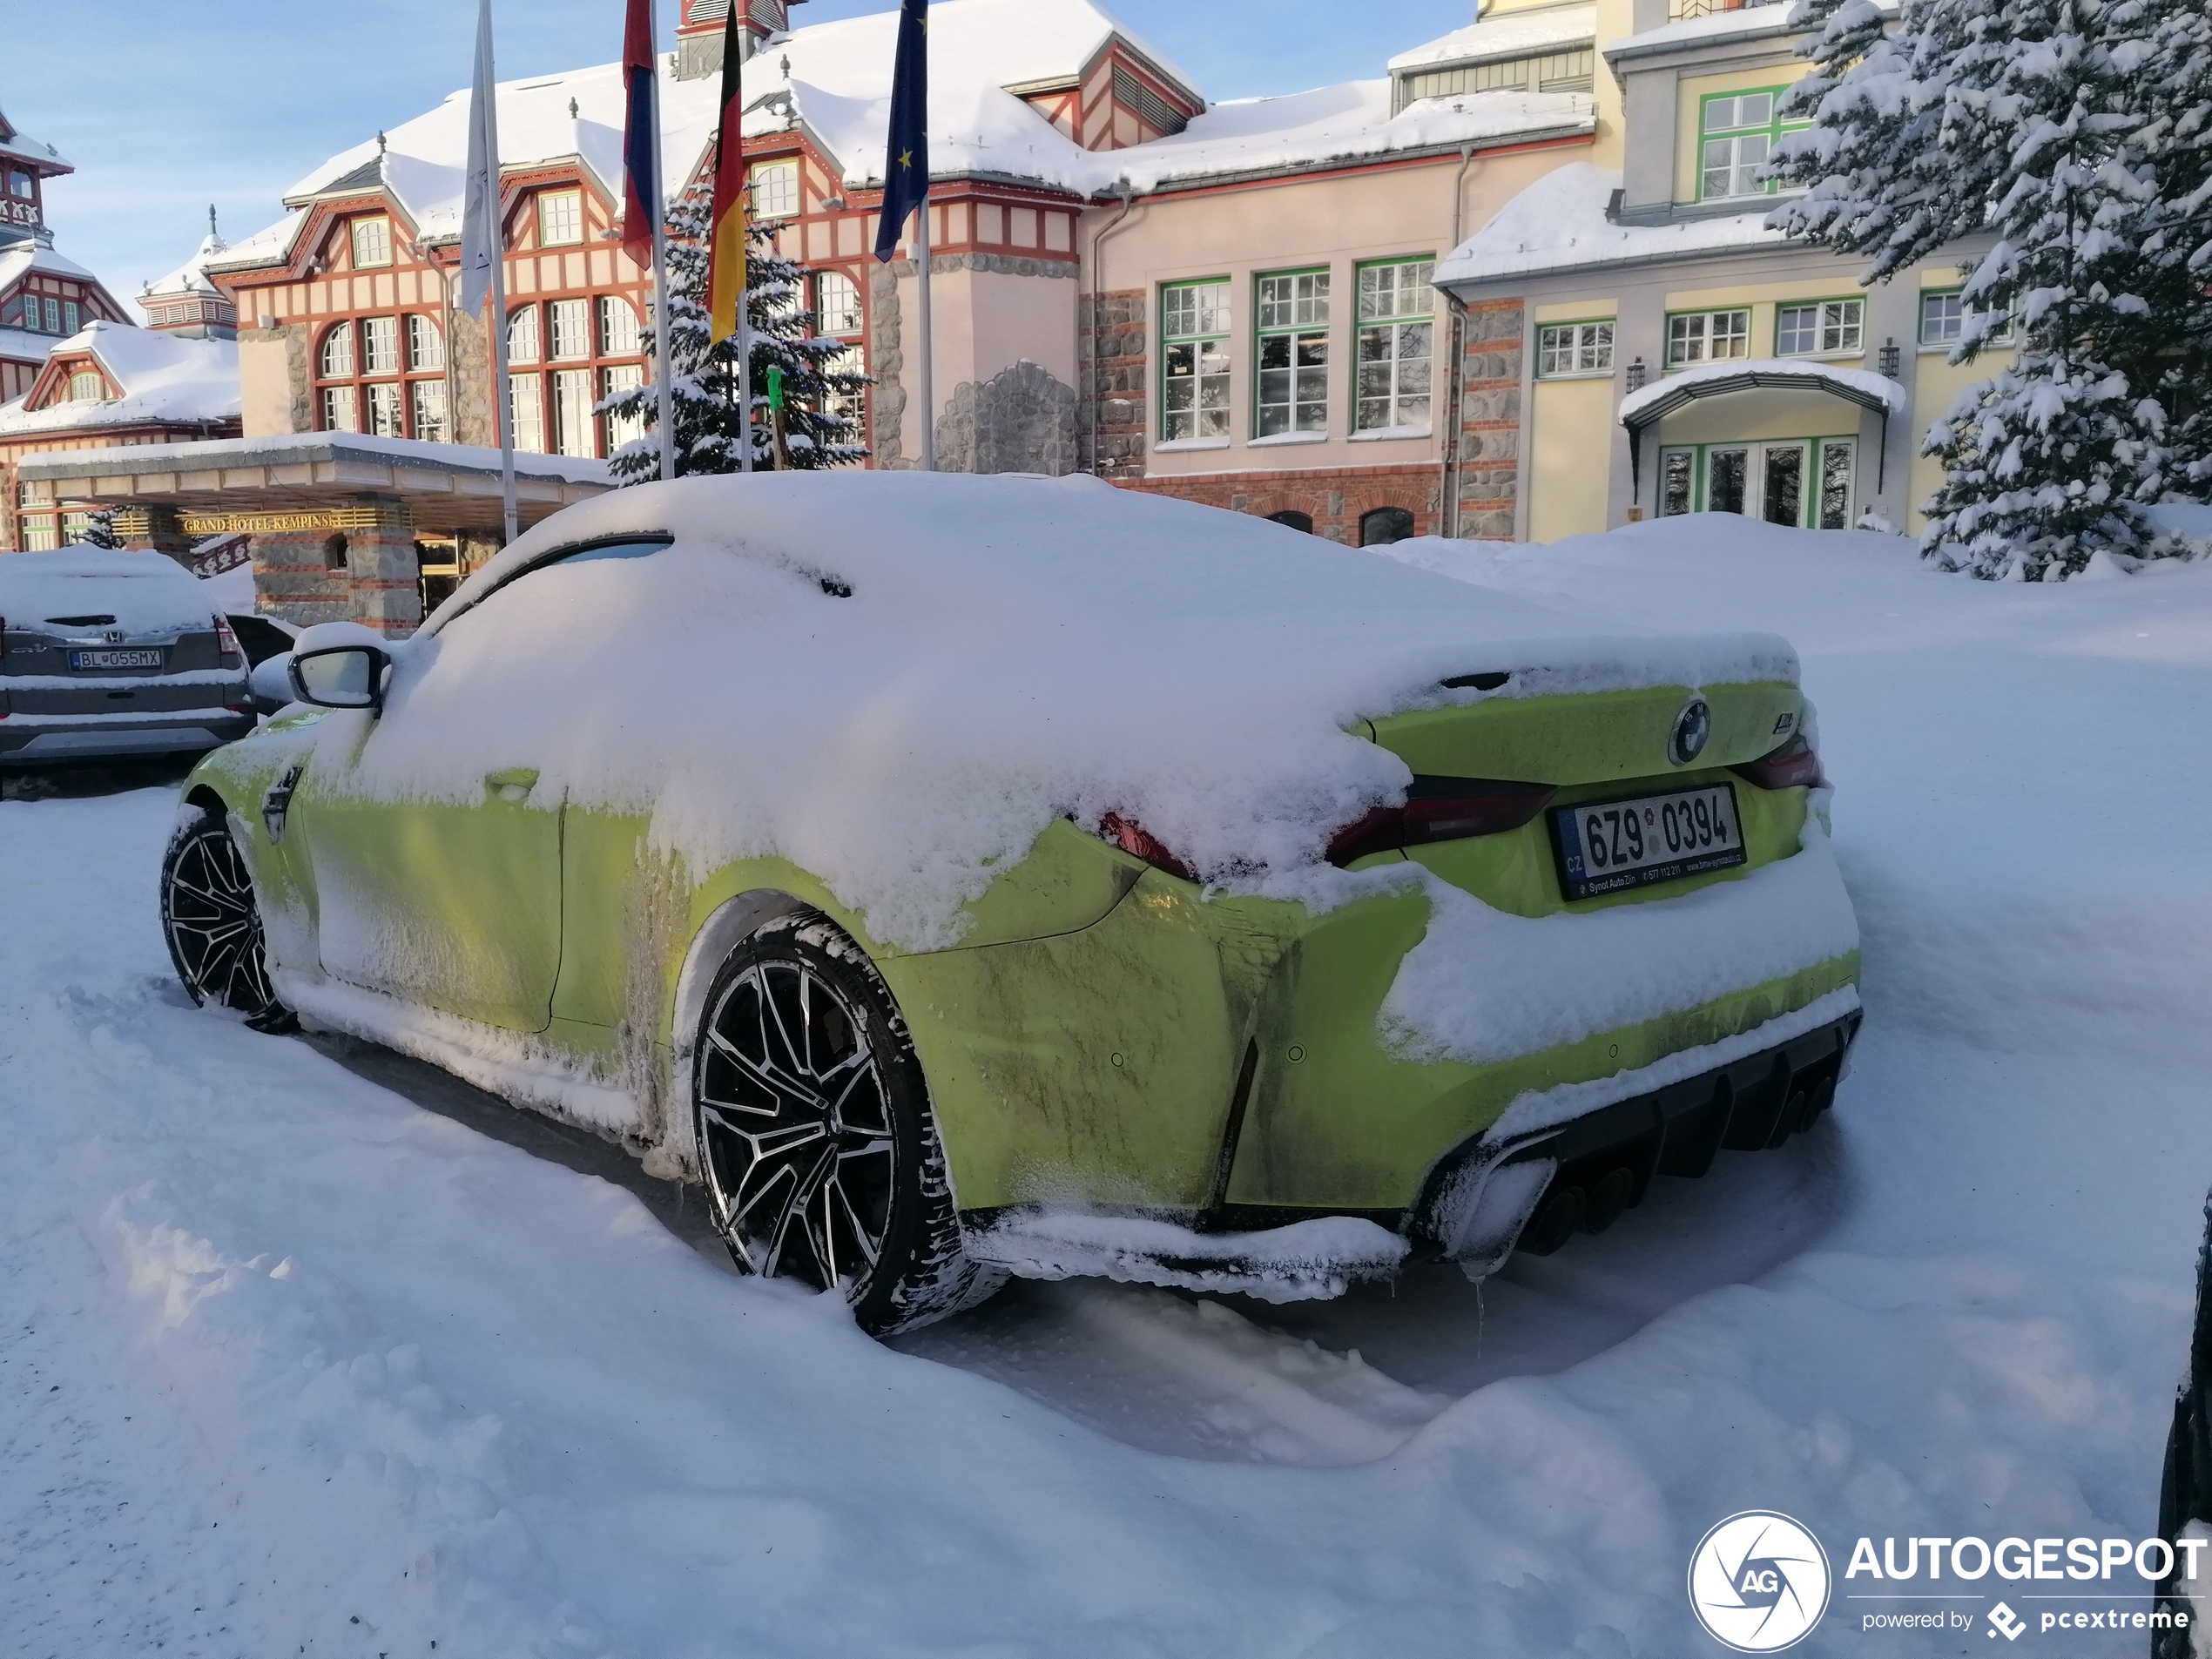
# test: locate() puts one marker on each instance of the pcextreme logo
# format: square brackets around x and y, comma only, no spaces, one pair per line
[1758,1581]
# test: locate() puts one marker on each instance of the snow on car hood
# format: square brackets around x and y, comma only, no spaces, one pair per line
[145,593]
[1011,650]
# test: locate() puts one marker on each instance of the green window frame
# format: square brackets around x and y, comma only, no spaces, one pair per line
[1291,384]
[1737,132]
[1575,350]
[1195,322]
[1695,337]
[1821,473]
[1944,314]
[1821,328]
[1396,346]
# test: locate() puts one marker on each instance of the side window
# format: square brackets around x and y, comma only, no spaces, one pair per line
[640,546]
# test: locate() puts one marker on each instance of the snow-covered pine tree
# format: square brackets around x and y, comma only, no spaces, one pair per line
[99,530]
[704,387]
[2035,121]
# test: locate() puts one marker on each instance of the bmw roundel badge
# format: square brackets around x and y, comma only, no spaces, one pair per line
[1692,726]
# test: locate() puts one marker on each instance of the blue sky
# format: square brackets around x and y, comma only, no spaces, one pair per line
[166,108]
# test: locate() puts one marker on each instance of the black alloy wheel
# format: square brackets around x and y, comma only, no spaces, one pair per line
[213,925]
[815,1137]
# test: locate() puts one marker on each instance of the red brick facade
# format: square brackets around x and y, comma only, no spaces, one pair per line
[1336,500]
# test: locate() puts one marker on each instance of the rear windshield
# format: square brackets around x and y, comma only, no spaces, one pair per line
[135,593]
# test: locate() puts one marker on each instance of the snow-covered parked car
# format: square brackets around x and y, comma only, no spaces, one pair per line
[965,876]
[108,654]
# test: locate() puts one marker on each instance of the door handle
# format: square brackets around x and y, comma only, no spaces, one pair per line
[515,784]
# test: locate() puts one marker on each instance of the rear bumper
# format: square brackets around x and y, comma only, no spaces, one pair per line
[30,740]
[1532,1191]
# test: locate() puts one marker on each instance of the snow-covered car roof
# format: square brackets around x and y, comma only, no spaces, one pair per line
[145,593]
[898,680]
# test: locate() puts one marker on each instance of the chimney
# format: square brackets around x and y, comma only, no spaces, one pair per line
[699,34]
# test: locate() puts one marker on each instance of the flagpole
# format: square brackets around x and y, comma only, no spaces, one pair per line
[927,366]
[502,393]
[661,336]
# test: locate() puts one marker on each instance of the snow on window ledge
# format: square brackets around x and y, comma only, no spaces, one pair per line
[1172,445]
[1390,434]
[1281,438]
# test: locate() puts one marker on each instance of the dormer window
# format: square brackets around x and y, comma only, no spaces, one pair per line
[560,218]
[372,243]
[1737,133]
[85,386]
[775,191]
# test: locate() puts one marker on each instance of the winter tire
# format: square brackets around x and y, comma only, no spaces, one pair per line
[210,917]
[816,1140]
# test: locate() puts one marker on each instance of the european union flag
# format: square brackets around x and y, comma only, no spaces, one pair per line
[905,185]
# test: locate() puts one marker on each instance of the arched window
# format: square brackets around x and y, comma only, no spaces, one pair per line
[426,346]
[1385,525]
[86,387]
[1295,519]
[338,353]
[380,345]
[837,303]
[618,327]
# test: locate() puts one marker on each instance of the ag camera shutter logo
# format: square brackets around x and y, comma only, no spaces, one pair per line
[1759,1581]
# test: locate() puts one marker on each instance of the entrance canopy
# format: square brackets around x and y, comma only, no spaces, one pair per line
[1645,407]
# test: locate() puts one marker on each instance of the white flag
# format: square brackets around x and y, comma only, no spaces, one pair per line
[480,238]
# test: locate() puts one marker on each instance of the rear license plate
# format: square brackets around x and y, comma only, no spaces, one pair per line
[1610,847]
[114,659]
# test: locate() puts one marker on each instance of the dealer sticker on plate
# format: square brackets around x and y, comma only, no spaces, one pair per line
[114,659]
[1610,847]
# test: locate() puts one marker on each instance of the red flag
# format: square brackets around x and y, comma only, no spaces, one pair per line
[641,178]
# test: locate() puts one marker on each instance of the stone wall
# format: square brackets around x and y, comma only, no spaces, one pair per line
[364,575]
[1021,420]
[887,363]
[1335,499]
[470,378]
[1489,466]
[1110,346]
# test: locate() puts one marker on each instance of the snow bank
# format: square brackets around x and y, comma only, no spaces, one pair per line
[1306,1260]
[145,592]
[1011,650]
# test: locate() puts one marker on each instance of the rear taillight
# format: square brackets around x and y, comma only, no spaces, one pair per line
[225,641]
[1139,843]
[1441,809]
[1794,765]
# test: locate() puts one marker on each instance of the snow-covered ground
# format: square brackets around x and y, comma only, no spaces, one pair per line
[290,1365]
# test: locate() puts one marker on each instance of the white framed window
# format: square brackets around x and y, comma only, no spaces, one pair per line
[526,410]
[560,218]
[570,322]
[1944,318]
[618,327]
[849,406]
[623,428]
[54,316]
[87,387]
[1194,360]
[837,303]
[385,420]
[521,334]
[1708,336]
[1294,322]
[1397,347]
[574,433]
[340,411]
[427,410]
[380,345]
[1827,328]
[426,345]
[69,316]
[338,353]
[775,190]
[372,243]
[1736,134]
[1570,348]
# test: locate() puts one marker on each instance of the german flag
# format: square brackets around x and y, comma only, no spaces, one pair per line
[726,244]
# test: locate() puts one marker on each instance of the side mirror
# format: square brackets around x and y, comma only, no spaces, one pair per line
[342,676]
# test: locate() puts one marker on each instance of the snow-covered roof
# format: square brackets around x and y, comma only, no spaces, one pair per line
[280,447]
[13,142]
[162,379]
[1348,123]
[19,262]
[1752,21]
[1517,34]
[1558,223]
[191,277]
[1860,385]
[21,346]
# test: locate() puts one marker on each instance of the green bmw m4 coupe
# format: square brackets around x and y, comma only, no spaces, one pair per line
[962,877]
